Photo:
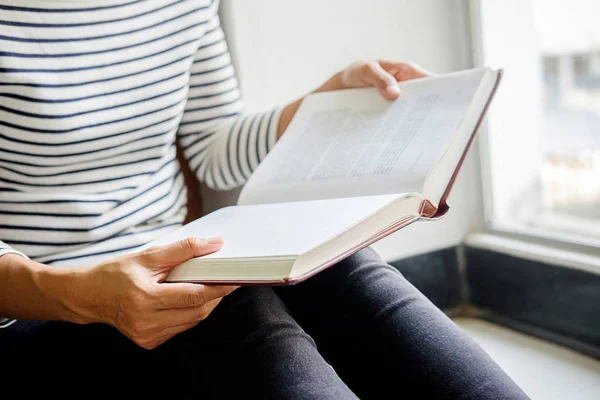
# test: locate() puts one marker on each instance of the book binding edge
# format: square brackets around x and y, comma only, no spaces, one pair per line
[443,206]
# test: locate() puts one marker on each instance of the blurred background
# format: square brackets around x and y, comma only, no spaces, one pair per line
[569,183]
[556,54]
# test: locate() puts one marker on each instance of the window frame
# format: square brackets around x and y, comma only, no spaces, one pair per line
[528,242]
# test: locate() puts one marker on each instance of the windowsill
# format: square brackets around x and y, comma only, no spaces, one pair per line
[521,248]
[576,228]
[540,290]
[544,370]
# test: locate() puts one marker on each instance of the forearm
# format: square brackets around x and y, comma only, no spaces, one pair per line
[334,83]
[34,291]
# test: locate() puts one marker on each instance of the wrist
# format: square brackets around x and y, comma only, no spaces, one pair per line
[336,82]
[30,290]
[62,290]
[54,293]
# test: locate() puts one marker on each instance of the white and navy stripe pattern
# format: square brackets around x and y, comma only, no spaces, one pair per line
[93,95]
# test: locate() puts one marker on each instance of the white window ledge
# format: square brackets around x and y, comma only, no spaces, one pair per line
[589,262]
[544,370]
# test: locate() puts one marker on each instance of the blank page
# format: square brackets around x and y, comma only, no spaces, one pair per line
[286,229]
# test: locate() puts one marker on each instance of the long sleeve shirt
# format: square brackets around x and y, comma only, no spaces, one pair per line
[93,96]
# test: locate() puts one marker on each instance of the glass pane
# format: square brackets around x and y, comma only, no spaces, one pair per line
[565,197]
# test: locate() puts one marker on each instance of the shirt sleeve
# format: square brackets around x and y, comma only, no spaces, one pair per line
[221,143]
[6,249]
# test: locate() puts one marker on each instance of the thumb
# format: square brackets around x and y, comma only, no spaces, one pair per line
[174,254]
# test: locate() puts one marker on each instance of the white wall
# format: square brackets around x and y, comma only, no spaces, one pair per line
[284,48]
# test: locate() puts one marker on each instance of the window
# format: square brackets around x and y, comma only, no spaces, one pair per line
[541,148]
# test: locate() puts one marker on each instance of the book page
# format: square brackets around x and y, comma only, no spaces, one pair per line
[277,230]
[356,143]
[442,175]
[388,219]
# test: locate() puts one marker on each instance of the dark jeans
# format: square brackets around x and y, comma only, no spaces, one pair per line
[358,329]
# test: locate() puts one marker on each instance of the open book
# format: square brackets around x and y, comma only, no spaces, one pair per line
[350,169]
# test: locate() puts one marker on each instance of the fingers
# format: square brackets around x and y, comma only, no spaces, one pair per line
[188,295]
[190,315]
[372,73]
[404,71]
[158,326]
[178,252]
[151,342]
[177,321]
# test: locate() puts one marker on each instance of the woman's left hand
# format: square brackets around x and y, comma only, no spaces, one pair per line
[384,75]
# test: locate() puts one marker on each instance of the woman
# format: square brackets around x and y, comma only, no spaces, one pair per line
[94,96]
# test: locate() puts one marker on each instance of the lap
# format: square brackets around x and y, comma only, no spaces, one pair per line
[383,335]
[377,330]
[249,347]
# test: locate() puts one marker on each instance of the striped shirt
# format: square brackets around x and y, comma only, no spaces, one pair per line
[93,96]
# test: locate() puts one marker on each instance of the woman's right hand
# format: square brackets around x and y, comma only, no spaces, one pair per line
[129,294]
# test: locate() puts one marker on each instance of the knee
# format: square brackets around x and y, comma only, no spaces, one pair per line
[366,255]
[363,264]
[256,304]
[258,312]
[281,334]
